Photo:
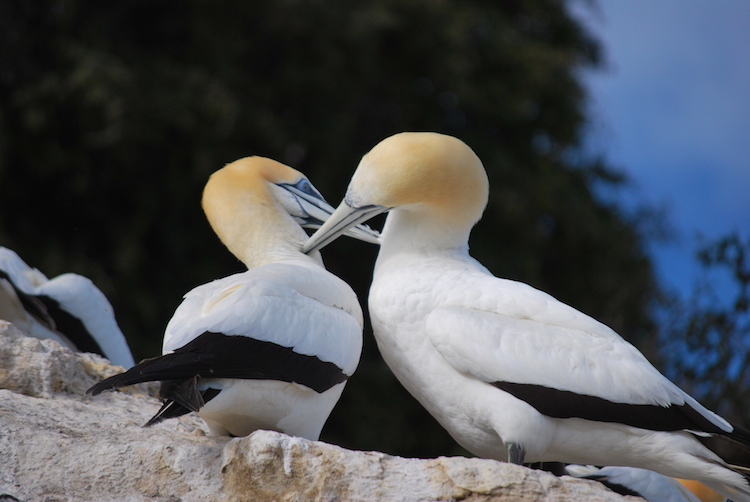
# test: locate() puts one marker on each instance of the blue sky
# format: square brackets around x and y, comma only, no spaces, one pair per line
[672,110]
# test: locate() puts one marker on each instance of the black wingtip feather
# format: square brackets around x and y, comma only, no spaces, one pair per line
[732,450]
[213,355]
[137,374]
[558,403]
[733,447]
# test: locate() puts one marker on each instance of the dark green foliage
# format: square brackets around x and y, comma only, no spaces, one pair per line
[113,114]
[708,337]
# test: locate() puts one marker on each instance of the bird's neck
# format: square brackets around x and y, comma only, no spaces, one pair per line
[422,231]
[256,239]
[255,254]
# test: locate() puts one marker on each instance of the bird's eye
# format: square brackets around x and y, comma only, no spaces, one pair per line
[305,186]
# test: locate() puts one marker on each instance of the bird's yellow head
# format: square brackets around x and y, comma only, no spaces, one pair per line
[258,206]
[434,184]
[436,170]
[246,179]
[240,206]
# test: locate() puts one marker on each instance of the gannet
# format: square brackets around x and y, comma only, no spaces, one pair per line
[510,372]
[68,308]
[649,485]
[271,347]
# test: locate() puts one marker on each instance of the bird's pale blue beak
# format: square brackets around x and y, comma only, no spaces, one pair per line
[341,222]
[314,211]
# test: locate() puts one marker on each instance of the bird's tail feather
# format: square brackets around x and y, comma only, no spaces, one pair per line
[183,392]
[177,403]
[169,409]
[732,492]
[734,449]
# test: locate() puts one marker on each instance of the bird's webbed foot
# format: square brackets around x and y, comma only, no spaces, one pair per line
[515,453]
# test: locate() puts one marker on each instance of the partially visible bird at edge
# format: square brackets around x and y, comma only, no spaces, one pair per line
[68,308]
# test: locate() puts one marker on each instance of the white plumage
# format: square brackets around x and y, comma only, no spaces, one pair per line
[68,308]
[650,485]
[309,305]
[292,304]
[269,348]
[508,370]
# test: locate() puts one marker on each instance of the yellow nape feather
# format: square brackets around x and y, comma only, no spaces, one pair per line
[242,210]
[250,176]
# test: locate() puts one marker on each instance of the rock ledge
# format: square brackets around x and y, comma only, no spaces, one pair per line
[59,445]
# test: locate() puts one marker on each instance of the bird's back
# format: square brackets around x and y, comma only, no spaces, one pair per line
[298,305]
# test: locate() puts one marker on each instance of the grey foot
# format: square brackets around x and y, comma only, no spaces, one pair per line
[515,454]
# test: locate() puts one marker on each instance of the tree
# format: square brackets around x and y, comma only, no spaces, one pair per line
[113,115]
[706,343]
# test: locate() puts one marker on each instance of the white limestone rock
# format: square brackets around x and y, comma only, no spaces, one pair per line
[58,445]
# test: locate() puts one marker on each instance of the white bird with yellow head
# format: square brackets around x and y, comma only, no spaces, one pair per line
[511,372]
[269,348]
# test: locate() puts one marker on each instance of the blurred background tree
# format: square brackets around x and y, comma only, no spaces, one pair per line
[113,115]
[711,333]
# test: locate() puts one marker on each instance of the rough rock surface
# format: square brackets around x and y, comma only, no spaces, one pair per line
[58,445]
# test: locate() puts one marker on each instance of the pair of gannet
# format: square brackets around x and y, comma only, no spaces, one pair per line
[511,372]
[68,308]
[269,348]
